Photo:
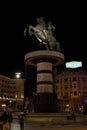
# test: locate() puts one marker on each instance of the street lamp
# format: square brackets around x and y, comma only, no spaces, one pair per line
[18,75]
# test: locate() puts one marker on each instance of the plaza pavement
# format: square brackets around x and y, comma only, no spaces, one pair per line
[54,118]
[52,121]
[30,126]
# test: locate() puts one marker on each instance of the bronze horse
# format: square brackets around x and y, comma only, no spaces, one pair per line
[44,35]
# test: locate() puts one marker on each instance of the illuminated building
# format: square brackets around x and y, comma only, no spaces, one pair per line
[11,91]
[71,88]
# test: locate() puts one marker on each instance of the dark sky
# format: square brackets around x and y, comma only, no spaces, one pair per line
[71,30]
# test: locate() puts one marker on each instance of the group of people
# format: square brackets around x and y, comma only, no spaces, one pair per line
[7,119]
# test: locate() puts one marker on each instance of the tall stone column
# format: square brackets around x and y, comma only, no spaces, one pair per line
[46,100]
[44,77]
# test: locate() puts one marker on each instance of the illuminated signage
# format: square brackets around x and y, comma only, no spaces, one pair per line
[73,64]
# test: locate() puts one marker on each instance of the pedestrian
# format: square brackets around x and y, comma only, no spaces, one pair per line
[21,121]
[73,115]
[10,119]
[5,125]
[4,116]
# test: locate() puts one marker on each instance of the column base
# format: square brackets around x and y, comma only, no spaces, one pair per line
[46,102]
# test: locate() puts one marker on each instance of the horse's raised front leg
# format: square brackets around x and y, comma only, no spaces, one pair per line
[30,30]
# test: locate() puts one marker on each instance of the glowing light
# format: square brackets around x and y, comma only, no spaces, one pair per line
[18,74]
[85,100]
[73,64]
[3,105]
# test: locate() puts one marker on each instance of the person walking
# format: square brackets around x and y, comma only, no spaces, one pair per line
[4,116]
[10,119]
[5,125]
[21,121]
[73,115]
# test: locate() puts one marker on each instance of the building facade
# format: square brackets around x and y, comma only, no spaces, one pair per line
[11,92]
[71,89]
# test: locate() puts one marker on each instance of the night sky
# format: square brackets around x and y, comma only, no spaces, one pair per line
[71,27]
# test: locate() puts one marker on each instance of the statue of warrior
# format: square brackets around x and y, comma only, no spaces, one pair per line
[44,33]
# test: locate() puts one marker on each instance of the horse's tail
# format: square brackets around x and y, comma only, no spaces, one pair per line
[47,46]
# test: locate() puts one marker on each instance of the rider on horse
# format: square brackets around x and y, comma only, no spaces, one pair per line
[44,34]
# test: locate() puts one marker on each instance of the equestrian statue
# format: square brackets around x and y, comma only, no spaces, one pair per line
[44,33]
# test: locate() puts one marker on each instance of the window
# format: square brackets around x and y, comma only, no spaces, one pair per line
[75,93]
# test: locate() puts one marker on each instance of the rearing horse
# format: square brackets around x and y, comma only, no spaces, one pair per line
[44,35]
[39,33]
